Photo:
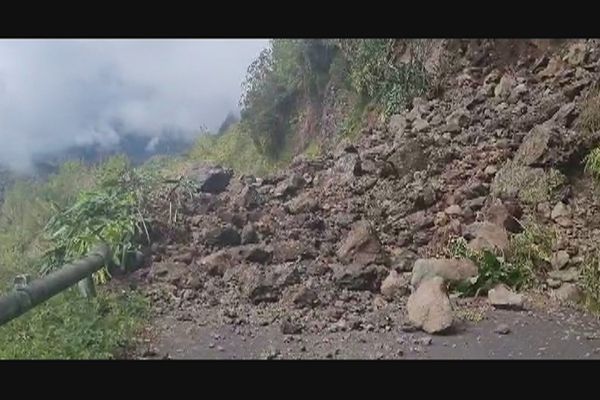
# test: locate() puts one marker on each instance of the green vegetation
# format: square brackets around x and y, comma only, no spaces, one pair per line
[70,327]
[493,269]
[525,257]
[590,274]
[44,225]
[112,213]
[235,149]
[589,119]
[294,73]
[592,163]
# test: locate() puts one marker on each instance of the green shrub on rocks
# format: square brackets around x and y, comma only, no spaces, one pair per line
[493,269]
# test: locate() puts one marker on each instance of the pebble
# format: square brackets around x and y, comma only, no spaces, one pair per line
[211,345]
[220,348]
[502,329]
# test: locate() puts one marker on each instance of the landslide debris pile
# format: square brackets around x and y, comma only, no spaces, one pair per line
[335,242]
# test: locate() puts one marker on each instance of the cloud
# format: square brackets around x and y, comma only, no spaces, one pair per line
[57,93]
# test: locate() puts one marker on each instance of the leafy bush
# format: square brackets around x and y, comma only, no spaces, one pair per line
[527,255]
[374,72]
[112,214]
[493,269]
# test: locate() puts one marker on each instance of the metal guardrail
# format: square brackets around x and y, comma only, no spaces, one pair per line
[24,297]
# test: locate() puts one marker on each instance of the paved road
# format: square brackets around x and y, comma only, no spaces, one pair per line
[558,334]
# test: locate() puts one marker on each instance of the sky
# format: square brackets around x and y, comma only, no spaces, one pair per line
[58,93]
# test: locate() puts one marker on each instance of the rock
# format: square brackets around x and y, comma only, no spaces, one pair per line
[347,167]
[357,277]
[420,125]
[502,296]
[576,55]
[403,260]
[305,297]
[553,67]
[566,275]
[425,198]
[248,198]
[429,307]
[409,158]
[217,263]
[254,253]
[171,272]
[553,283]
[211,180]
[361,246]
[394,286]
[559,259]
[453,210]
[568,293]
[459,117]
[476,203]
[290,328]
[223,236]
[487,235]
[565,115]
[265,285]
[397,125]
[502,329]
[249,234]
[504,87]
[490,170]
[529,185]
[419,221]
[289,250]
[475,188]
[534,146]
[305,202]
[289,186]
[452,270]
[185,258]
[560,211]
[500,215]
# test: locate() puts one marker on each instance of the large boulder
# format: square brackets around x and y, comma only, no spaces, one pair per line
[486,236]
[499,214]
[223,236]
[529,185]
[452,270]
[358,277]
[394,285]
[429,307]
[266,284]
[409,158]
[361,246]
[502,296]
[210,179]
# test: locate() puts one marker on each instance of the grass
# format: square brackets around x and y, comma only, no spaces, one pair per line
[235,149]
[589,119]
[590,277]
[70,327]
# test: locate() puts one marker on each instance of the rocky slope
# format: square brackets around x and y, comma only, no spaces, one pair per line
[356,240]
